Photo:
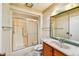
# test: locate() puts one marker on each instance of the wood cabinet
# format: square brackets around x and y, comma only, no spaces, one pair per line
[47,50]
[51,51]
[58,53]
[2,54]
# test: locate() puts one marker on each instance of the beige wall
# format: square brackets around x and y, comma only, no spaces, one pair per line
[7,28]
[0,27]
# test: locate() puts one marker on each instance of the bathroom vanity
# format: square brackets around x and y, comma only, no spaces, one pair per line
[52,47]
[64,25]
[51,51]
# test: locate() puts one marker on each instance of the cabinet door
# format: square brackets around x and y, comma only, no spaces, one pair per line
[58,53]
[47,50]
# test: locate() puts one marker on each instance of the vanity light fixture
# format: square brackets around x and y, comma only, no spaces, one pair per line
[30,5]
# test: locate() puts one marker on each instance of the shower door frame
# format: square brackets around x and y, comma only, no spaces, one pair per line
[13,30]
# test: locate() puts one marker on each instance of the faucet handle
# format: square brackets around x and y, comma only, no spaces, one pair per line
[67,33]
[70,34]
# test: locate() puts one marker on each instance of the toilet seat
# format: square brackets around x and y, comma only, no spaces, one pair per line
[38,47]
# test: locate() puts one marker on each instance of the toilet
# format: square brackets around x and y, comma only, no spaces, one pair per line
[38,49]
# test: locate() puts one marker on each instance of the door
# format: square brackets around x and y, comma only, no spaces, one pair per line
[18,33]
[32,31]
[74,28]
[74,25]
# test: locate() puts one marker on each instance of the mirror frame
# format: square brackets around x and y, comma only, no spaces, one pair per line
[66,41]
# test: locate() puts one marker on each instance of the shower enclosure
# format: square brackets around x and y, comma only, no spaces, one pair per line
[25,32]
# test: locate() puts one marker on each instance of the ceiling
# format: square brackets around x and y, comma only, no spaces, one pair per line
[40,7]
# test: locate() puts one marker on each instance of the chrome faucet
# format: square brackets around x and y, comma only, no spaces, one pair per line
[61,40]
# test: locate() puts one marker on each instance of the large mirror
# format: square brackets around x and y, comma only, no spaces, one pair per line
[66,25]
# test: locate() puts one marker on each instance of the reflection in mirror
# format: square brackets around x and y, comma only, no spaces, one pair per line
[59,26]
[66,25]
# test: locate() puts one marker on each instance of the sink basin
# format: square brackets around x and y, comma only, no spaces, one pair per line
[64,46]
[61,45]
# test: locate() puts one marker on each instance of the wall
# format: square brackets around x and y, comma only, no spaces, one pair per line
[6,28]
[46,19]
[0,27]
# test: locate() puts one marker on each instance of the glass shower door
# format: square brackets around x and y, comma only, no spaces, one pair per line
[25,33]
[18,34]
[32,28]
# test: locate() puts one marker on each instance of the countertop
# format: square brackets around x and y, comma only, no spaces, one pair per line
[65,48]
